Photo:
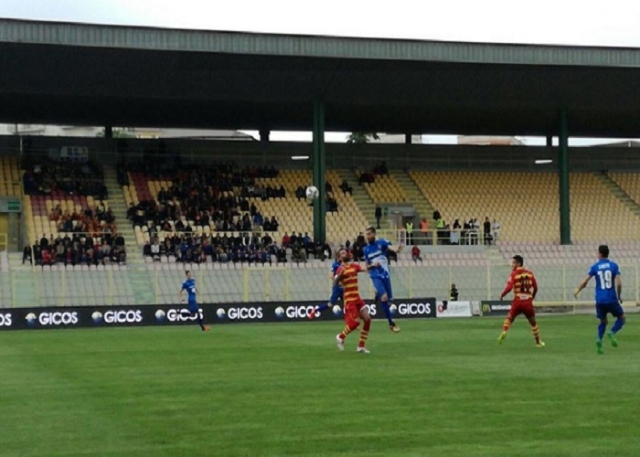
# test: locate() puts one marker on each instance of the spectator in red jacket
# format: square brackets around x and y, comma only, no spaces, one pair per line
[415,254]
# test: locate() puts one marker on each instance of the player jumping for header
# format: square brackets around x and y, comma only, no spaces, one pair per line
[375,254]
[194,310]
[354,307]
[524,286]
[337,292]
[608,298]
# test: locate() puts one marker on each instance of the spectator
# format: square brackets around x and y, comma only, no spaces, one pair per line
[453,293]
[496,230]
[409,228]
[378,215]
[415,254]
[27,254]
[436,215]
[487,231]
[328,187]
[424,229]
[281,256]
[300,193]
[346,188]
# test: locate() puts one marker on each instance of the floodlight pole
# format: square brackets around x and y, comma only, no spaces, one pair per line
[563,172]
[319,166]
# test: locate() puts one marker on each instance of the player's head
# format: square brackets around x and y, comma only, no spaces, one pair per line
[187,274]
[603,251]
[517,261]
[371,234]
[343,255]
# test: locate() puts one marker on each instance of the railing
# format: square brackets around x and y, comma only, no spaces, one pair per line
[226,283]
[4,242]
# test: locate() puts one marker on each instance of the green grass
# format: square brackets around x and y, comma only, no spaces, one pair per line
[439,388]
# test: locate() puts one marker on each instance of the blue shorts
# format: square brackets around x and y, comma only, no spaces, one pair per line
[382,286]
[337,293]
[193,307]
[615,309]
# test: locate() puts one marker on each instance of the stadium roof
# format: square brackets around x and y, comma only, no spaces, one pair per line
[132,76]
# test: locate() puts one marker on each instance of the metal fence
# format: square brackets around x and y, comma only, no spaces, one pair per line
[289,284]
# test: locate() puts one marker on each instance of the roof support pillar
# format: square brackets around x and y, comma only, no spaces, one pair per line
[108,131]
[264,135]
[408,138]
[563,174]
[319,166]
[549,141]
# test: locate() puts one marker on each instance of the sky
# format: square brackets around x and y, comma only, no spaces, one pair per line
[586,22]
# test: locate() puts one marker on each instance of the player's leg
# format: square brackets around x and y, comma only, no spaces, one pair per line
[194,310]
[336,294]
[618,313]
[364,333]
[530,313]
[351,319]
[601,313]
[385,294]
[506,325]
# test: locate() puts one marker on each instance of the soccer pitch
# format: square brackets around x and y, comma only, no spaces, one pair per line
[439,388]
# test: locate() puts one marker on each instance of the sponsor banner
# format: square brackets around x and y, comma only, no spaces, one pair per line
[495,308]
[128,316]
[454,309]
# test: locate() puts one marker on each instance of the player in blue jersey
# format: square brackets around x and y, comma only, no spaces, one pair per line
[337,291]
[375,255]
[189,286]
[608,295]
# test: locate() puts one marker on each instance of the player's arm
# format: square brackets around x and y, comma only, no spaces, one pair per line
[508,288]
[181,294]
[534,285]
[337,279]
[619,287]
[581,286]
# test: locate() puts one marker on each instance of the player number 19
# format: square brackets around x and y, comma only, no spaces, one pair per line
[605,279]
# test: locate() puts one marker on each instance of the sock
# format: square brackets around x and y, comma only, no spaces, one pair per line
[617,325]
[322,307]
[387,312]
[601,329]
[507,323]
[348,329]
[536,332]
[364,333]
[200,320]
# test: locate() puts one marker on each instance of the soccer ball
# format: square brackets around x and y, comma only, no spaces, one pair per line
[221,313]
[96,317]
[312,192]
[279,312]
[337,310]
[160,315]
[393,309]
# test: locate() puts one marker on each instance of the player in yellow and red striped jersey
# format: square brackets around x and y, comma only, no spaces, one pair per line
[354,307]
[525,287]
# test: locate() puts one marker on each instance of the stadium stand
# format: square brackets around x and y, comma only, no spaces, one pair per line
[278,197]
[67,214]
[526,204]
[9,176]
[381,186]
[629,183]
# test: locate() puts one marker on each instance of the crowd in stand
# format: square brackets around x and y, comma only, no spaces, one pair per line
[244,248]
[470,232]
[369,177]
[77,249]
[67,176]
[88,237]
[206,197]
[95,223]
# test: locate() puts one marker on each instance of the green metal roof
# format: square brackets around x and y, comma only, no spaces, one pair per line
[157,39]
